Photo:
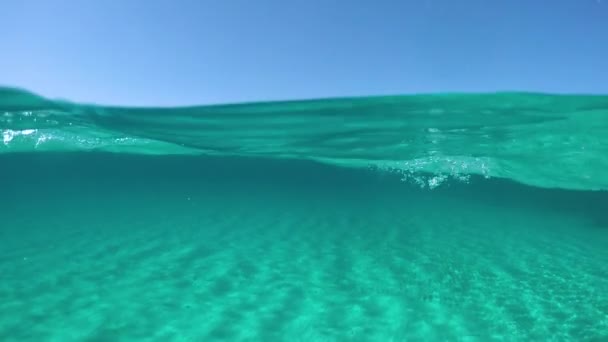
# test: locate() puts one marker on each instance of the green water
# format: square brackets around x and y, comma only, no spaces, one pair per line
[419,218]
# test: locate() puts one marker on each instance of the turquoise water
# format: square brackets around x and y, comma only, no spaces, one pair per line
[417,218]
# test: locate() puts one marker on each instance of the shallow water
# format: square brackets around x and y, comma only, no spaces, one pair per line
[104,247]
[101,245]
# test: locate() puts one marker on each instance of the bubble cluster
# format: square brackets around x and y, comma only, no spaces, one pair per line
[434,171]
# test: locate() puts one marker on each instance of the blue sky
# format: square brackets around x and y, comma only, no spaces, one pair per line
[137,52]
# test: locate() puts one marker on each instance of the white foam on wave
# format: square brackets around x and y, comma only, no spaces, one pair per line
[8,134]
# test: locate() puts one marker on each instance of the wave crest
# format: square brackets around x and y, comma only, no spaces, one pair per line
[537,139]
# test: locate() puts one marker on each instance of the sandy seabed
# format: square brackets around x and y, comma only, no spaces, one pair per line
[247,261]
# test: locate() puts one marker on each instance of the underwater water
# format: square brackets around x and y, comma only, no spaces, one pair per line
[451,217]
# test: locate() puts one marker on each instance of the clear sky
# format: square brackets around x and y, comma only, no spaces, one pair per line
[152,52]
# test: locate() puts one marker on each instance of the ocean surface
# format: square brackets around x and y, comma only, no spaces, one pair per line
[444,217]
